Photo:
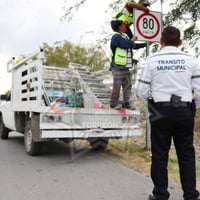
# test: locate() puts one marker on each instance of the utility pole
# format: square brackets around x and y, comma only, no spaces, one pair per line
[148,126]
[148,139]
[161,8]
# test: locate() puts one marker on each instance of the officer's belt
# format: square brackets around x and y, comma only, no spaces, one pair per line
[168,104]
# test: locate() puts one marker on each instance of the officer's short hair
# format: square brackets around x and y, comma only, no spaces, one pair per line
[171,36]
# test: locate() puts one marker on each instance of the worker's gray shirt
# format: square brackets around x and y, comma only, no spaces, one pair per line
[168,72]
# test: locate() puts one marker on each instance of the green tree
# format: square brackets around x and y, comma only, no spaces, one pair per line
[183,13]
[62,53]
[8,92]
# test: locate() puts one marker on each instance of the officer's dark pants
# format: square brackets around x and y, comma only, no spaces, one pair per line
[173,123]
[121,78]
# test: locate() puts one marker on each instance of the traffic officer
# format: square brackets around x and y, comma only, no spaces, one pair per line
[126,13]
[170,81]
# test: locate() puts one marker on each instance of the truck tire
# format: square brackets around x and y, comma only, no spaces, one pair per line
[98,143]
[4,131]
[32,148]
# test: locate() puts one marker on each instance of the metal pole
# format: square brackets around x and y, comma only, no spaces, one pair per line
[148,140]
[161,5]
[148,127]
[147,48]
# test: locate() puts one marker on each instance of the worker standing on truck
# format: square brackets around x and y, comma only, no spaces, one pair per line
[120,63]
[126,13]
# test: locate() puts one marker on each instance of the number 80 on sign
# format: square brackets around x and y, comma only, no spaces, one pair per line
[147,26]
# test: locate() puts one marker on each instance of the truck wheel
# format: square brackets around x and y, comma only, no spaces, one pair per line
[98,143]
[4,131]
[32,148]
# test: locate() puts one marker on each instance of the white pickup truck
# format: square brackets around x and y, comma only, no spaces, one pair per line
[49,102]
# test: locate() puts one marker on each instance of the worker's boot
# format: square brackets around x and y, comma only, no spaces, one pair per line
[116,107]
[127,105]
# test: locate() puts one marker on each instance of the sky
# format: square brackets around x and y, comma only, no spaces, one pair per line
[27,24]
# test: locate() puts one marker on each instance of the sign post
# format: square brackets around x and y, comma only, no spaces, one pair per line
[147,27]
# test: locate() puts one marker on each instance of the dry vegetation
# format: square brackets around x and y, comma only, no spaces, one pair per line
[133,153]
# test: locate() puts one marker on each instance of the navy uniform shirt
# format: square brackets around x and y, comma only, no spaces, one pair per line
[122,41]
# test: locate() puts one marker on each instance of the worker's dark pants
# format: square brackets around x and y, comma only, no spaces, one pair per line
[173,123]
[121,78]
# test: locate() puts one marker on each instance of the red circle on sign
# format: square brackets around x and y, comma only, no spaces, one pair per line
[137,26]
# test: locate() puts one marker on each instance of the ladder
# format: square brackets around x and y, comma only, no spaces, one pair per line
[93,85]
[77,79]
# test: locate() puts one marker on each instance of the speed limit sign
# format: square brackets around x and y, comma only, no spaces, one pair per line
[147,26]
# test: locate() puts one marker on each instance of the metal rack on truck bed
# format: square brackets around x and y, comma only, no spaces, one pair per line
[49,102]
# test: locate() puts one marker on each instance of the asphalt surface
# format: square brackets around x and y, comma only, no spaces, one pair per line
[62,174]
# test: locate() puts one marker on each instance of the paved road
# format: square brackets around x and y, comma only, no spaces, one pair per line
[54,175]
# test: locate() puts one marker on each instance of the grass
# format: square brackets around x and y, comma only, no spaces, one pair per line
[136,156]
